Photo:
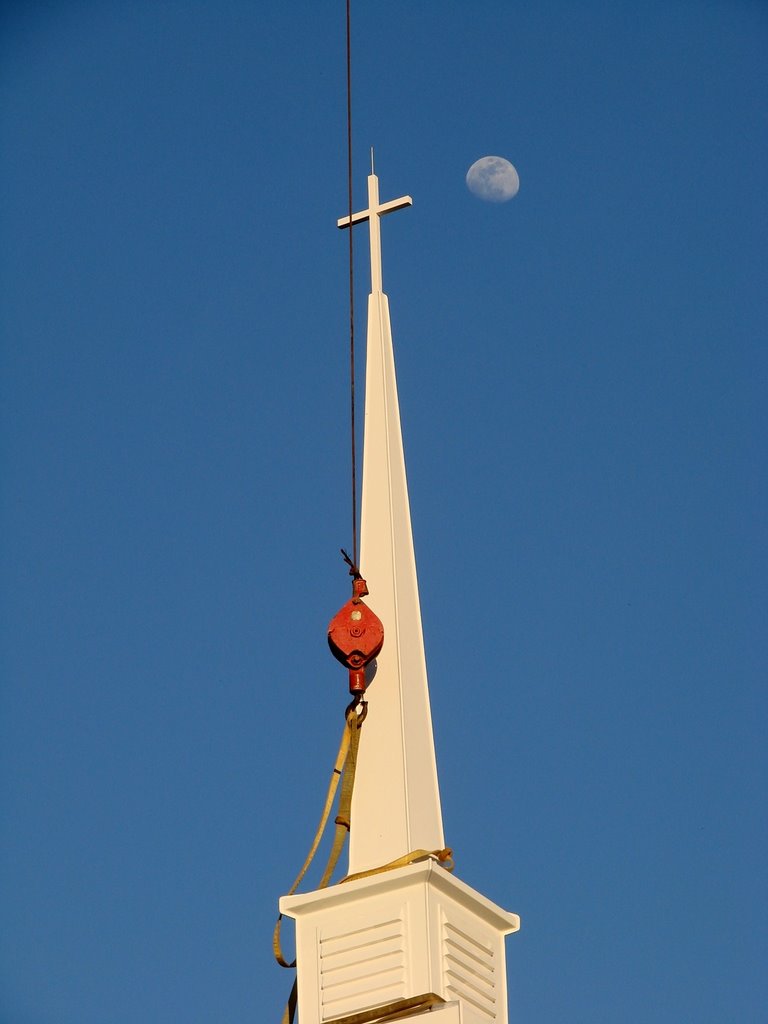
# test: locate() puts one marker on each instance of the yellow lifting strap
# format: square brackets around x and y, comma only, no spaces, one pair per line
[445,857]
[346,762]
[392,1011]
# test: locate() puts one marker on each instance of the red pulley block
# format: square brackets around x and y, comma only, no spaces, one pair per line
[355,636]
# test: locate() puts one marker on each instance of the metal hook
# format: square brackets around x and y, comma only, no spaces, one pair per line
[359,707]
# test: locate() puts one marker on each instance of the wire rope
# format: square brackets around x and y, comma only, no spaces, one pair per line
[350,233]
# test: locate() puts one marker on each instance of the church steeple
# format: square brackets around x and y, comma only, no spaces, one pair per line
[396,803]
[402,935]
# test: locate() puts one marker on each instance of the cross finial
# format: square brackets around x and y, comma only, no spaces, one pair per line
[375,211]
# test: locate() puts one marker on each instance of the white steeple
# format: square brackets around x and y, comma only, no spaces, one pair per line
[398,940]
[396,803]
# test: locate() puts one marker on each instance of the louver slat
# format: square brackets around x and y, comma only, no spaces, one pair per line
[470,971]
[362,968]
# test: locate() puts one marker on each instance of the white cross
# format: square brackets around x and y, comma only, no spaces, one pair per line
[373,214]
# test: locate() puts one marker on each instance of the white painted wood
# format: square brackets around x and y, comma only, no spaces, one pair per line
[396,804]
[399,934]
[448,1013]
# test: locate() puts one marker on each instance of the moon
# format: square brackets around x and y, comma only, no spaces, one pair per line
[493,179]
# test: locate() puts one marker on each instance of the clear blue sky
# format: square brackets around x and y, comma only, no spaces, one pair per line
[582,379]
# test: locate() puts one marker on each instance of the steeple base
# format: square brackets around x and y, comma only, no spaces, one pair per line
[396,935]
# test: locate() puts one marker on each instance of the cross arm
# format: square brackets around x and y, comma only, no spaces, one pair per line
[357,218]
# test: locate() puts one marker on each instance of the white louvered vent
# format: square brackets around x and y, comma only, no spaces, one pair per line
[363,968]
[469,971]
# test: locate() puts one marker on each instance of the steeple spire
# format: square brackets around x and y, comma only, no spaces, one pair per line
[396,804]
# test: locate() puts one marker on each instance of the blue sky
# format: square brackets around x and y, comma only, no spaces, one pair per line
[582,378]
